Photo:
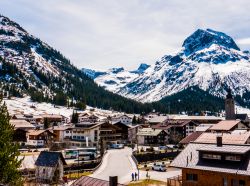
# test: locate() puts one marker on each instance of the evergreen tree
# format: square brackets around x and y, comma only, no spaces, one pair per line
[46,123]
[134,120]
[74,118]
[80,105]
[9,163]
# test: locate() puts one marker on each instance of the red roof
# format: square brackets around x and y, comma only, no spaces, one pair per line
[191,137]
[86,181]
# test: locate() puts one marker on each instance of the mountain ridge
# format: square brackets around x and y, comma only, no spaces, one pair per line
[208,59]
[29,66]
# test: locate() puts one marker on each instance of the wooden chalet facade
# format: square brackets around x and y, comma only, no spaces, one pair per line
[213,164]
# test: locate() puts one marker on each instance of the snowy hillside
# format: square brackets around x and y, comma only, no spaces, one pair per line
[208,59]
[114,79]
[26,106]
[30,67]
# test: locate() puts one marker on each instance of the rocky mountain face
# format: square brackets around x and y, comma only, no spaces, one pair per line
[209,60]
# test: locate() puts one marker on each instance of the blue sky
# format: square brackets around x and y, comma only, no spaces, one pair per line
[102,34]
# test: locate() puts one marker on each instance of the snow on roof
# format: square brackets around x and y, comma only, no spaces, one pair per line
[225,125]
[158,119]
[226,138]
[185,117]
[21,124]
[189,158]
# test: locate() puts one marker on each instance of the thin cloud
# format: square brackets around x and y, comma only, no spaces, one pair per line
[244,41]
[103,34]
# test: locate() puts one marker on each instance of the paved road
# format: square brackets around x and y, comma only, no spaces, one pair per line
[119,163]
[116,162]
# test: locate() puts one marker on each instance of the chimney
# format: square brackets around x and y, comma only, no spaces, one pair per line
[113,180]
[219,141]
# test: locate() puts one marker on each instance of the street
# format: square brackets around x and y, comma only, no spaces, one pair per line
[118,162]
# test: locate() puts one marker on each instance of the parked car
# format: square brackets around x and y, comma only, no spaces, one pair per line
[163,147]
[159,167]
[116,146]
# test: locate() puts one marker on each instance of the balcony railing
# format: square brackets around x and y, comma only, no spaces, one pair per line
[175,181]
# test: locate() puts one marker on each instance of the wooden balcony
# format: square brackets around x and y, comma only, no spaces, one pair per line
[175,181]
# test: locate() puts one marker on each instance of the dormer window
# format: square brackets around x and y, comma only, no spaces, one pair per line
[211,156]
[233,157]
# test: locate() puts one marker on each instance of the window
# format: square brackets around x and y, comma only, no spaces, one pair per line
[225,183]
[211,156]
[234,182]
[233,158]
[242,183]
[192,177]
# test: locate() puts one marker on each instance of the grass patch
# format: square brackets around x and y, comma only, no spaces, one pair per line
[148,183]
[75,175]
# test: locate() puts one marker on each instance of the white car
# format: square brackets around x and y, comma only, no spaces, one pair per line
[159,167]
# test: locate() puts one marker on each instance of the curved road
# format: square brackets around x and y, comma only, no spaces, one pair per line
[118,162]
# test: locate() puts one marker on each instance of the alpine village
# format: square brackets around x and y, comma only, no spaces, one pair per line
[182,121]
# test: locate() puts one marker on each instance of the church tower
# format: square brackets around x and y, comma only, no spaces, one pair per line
[229,106]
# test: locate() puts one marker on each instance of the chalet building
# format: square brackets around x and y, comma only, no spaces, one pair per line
[123,130]
[87,118]
[125,119]
[21,128]
[54,119]
[198,119]
[110,133]
[227,138]
[228,126]
[21,124]
[39,138]
[158,120]
[89,135]
[149,136]
[49,167]
[29,118]
[62,132]
[213,164]
[190,138]
[132,133]
[83,135]
[20,136]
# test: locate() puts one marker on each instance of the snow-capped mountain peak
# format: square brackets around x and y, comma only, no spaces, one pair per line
[208,59]
[202,39]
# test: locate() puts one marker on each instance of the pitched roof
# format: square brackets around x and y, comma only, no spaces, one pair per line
[189,158]
[191,137]
[57,116]
[234,149]
[21,123]
[162,126]
[38,132]
[148,132]
[204,127]
[185,117]
[62,128]
[86,180]
[225,125]
[158,119]
[226,138]
[49,159]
